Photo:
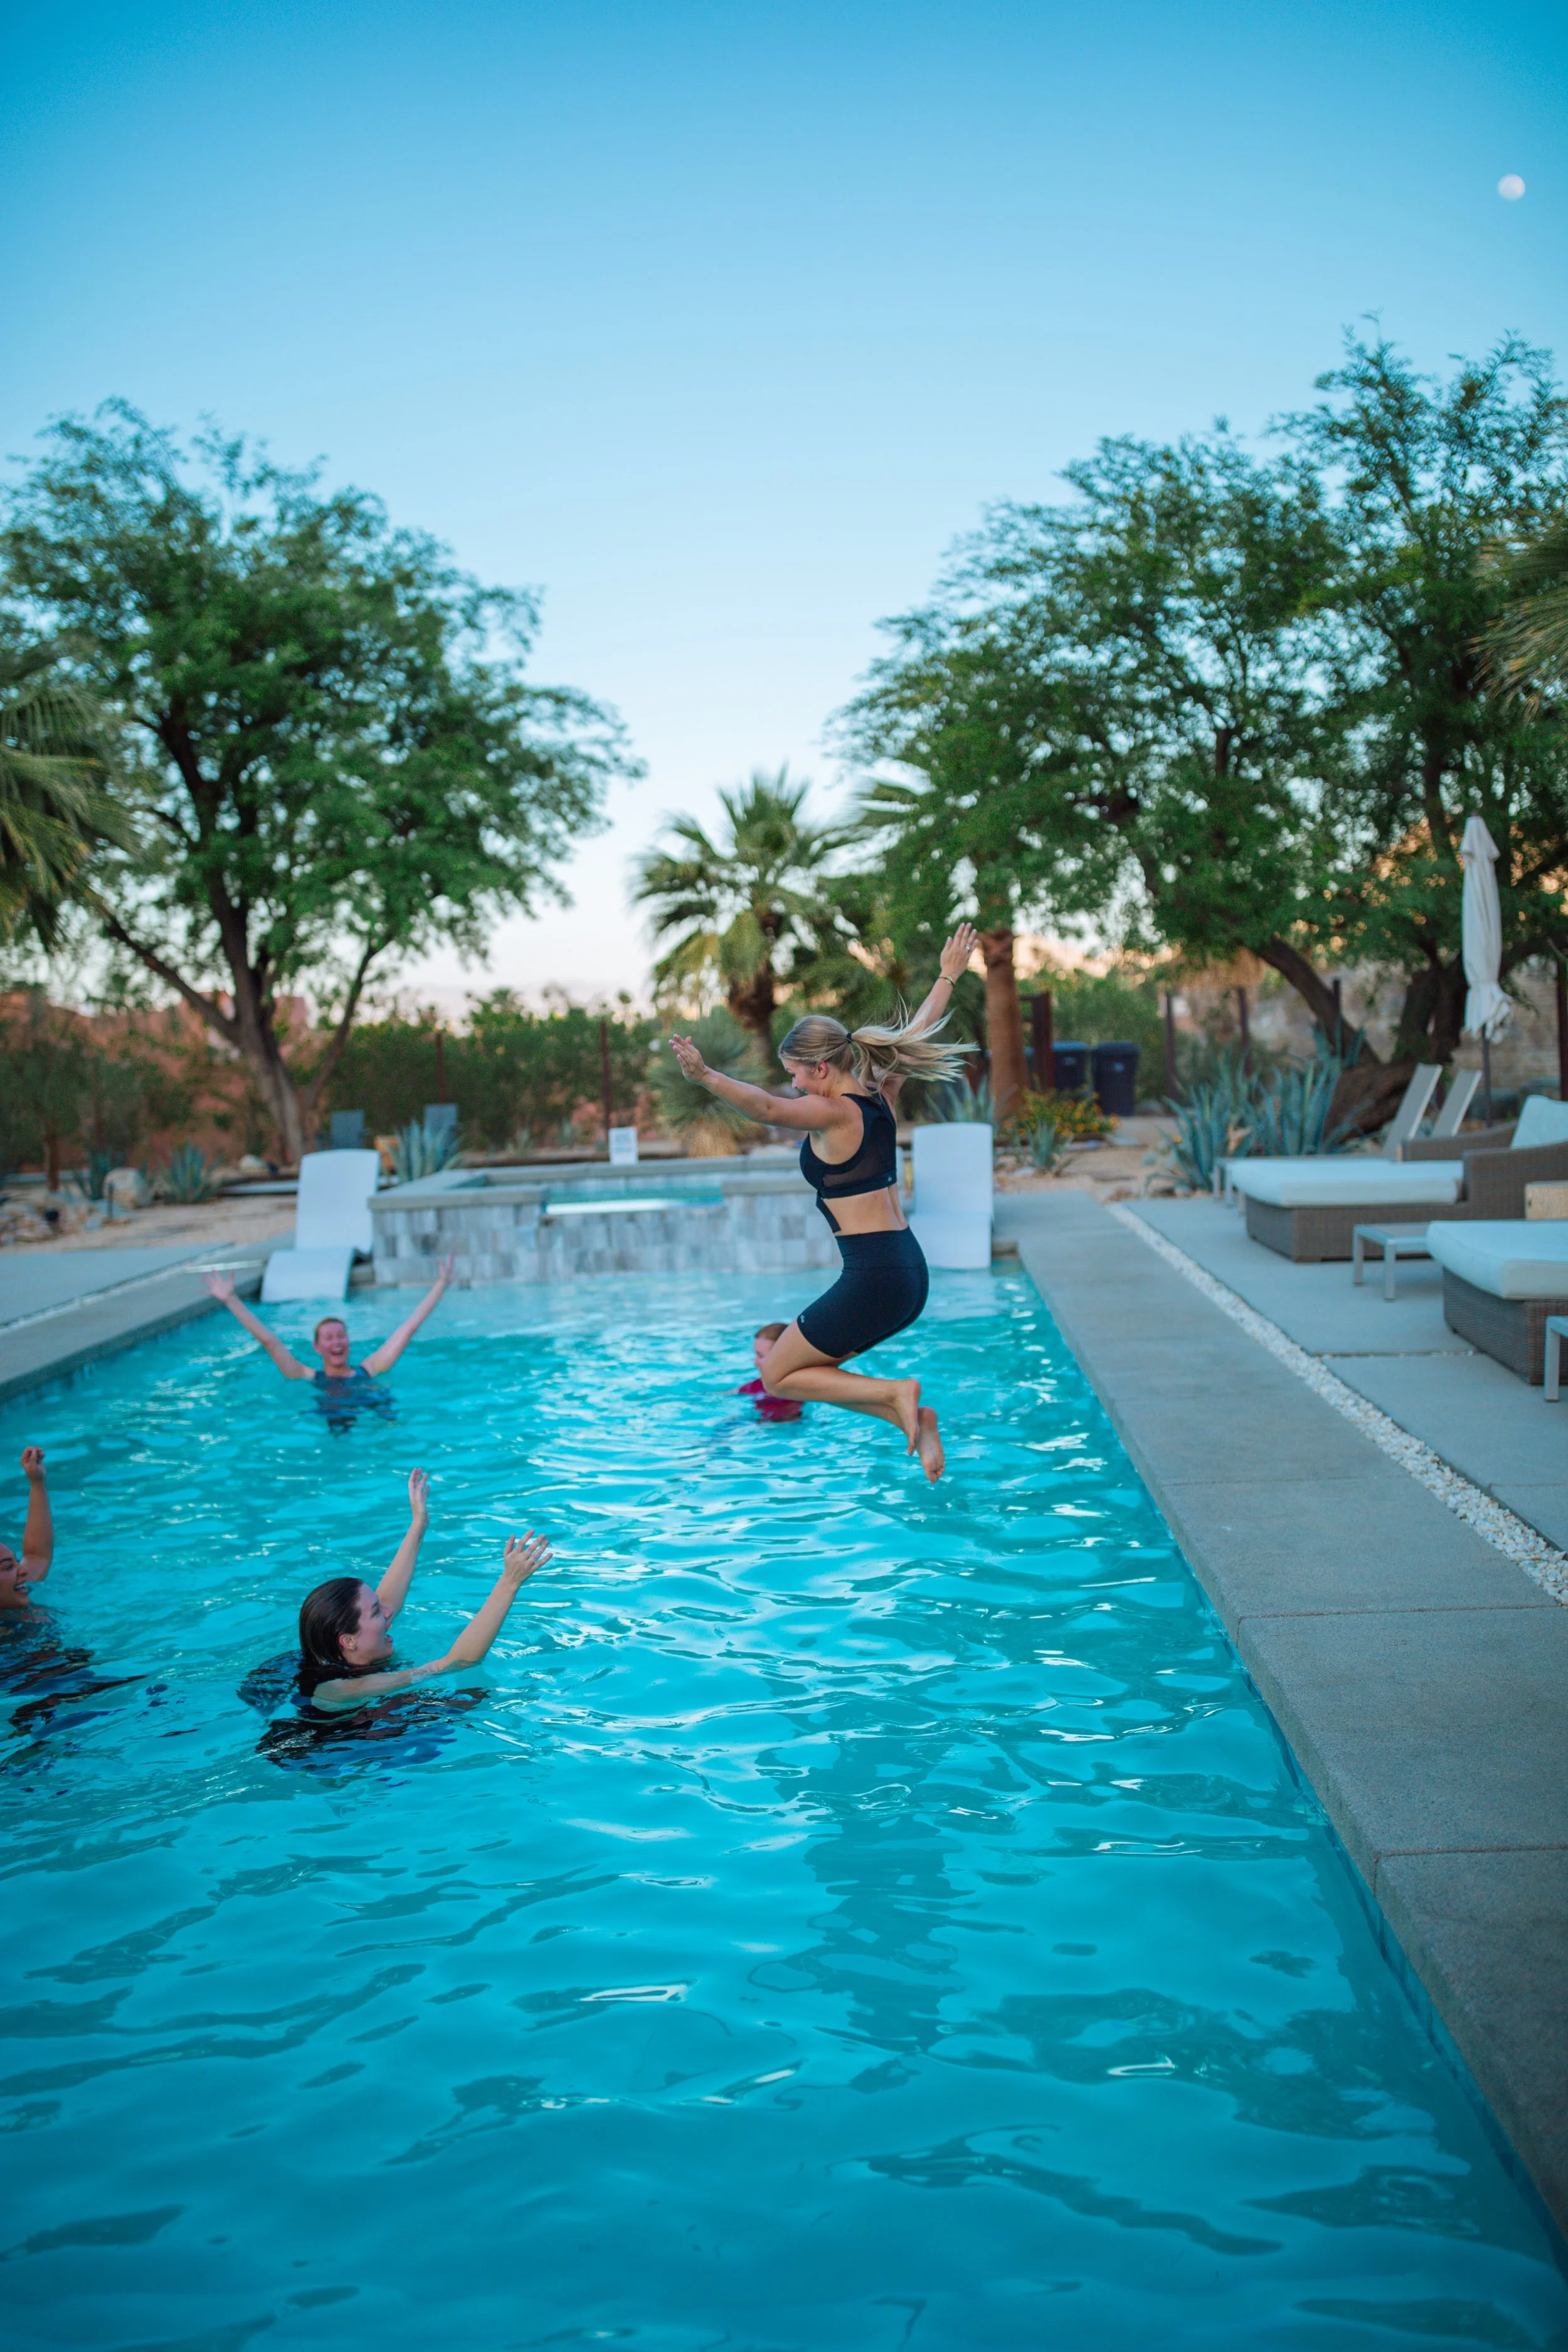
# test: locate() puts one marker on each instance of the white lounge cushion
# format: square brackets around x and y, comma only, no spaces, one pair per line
[1345,1183]
[333,1208]
[1541,1121]
[954,1168]
[307,1274]
[953,1240]
[1510,1257]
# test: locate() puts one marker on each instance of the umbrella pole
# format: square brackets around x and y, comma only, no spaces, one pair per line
[1485,1079]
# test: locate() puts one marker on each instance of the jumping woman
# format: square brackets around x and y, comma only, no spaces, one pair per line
[845,1084]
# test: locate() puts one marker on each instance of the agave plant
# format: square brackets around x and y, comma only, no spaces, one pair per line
[90,1180]
[188,1176]
[1047,1146]
[1215,1123]
[960,1098]
[1290,1112]
[422,1150]
[704,1124]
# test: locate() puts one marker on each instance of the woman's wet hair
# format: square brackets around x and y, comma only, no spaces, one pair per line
[872,1054]
[325,1616]
[316,1334]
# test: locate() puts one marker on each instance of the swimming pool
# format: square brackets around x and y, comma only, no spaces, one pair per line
[845,1916]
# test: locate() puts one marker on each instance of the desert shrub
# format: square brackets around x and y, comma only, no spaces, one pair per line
[514,1075]
[1078,1118]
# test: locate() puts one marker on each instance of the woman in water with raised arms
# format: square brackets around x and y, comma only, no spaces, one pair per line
[845,1084]
[345,1625]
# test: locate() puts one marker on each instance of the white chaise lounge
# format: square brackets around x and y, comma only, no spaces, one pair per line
[1307,1209]
[1501,1278]
[953,1189]
[1402,1127]
[331,1226]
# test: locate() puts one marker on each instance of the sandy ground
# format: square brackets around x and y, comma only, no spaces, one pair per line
[223,1224]
[1117,1171]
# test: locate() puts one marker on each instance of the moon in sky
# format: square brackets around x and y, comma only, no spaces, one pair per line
[1511,186]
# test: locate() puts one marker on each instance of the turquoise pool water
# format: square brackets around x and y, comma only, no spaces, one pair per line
[842,1915]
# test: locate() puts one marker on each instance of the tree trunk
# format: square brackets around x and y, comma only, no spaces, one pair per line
[1431,1017]
[1004,1022]
[752,1003]
[1315,993]
[250,1029]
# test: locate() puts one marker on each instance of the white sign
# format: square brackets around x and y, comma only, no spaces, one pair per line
[623,1147]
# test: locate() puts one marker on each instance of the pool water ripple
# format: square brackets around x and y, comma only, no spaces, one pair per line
[840,1914]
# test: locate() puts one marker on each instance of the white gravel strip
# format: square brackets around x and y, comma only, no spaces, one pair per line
[1506,1533]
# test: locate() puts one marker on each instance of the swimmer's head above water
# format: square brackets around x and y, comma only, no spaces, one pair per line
[343,1628]
[331,1341]
[763,1339]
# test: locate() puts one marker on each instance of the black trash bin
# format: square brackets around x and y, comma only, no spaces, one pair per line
[1070,1066]
[1116,1079]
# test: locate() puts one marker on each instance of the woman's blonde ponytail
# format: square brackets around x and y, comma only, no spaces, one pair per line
[871,1053]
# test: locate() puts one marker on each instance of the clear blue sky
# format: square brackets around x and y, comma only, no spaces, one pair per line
[718,323]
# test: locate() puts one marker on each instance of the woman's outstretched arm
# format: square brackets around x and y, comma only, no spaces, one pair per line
[813,1111]
[221,1287]
[954,962]
[523,1554]
[382,1359]
[393,1590]
[38,1533]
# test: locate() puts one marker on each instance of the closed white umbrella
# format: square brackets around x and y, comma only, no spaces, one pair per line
[1487,1008]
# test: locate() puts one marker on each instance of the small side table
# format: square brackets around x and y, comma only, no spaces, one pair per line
[1556,1332]
[1396,1241]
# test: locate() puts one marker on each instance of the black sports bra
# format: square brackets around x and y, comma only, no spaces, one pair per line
[870,1169]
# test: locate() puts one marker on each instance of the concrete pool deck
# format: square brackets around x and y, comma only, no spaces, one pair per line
[62,1311]
[1419,1674]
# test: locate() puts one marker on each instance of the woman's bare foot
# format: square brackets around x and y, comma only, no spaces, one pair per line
[906,1403]
[934,1461]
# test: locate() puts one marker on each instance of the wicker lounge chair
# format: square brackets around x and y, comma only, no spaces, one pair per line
[1307,1210]
[1501,1279]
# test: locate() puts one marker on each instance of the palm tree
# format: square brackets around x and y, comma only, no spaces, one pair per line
[734,911]
[55,809]
[1529,643]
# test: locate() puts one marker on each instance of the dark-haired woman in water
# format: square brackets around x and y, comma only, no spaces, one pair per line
[345,1627]
[845,1084]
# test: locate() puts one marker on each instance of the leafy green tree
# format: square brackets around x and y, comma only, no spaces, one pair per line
[1430,477]
[55,807]
[1217,703]
[342,760]
[735,911]
[1174,607]
[982,716]
[1529,639]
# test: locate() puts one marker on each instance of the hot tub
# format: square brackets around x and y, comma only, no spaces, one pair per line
[750,1215]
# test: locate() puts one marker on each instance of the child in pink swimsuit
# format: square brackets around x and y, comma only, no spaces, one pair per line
[769,1408]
